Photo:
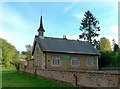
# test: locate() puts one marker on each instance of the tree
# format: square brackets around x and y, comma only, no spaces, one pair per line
[10,56]
[109,59]
[27,54]
[29,48]
[96,44]
[105,44]
[89,28]
[113,43]
[29,51]
[115,46]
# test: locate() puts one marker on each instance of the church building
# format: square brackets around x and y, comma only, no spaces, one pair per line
[62,53]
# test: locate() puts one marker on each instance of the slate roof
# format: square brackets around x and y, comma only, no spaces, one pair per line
[48,44]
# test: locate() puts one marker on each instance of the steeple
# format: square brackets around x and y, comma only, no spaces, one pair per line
[41,29]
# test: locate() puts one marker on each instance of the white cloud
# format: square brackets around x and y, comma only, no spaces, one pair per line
[110,33]
[75,36]
[19,41]
[15,20]
[69,8]
[15,39]
[15,28]
[19,36]
[113,33]
[114,28]
[79,15]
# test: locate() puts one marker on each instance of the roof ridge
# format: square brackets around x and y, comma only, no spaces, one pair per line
[64,39]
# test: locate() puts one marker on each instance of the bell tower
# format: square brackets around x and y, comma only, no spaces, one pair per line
[41,29]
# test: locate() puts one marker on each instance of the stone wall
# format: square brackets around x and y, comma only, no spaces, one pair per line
[57,75]
[66,64]
[26,69]
[98,79]
[80,78]
[30,63]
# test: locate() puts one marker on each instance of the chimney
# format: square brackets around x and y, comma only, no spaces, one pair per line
[64,37]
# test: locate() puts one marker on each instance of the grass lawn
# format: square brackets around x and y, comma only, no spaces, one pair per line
[0,76]
[12,78]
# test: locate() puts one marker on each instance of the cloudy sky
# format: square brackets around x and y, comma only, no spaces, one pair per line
[19,21]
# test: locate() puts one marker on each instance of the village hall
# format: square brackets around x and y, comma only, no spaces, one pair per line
[63,54]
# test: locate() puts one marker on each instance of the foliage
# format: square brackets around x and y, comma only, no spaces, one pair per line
[10,56]
[96,44]
[109,59]
[27,54]
[89,28]
[118,55]
[105,44]
[115,48]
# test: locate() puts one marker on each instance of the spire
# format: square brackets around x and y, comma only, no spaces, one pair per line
[41,29]
[41,25]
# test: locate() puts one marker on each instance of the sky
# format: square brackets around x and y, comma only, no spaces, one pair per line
[19,21]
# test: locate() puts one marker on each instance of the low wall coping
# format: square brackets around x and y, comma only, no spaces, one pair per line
[82,71]
[86,71]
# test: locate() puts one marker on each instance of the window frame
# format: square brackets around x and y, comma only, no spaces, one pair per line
[76,61]
[91,64]
[55,59]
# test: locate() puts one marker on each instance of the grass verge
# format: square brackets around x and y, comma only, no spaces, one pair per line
[12,78]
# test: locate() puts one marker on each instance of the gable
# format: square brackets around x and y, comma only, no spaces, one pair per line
[35,47]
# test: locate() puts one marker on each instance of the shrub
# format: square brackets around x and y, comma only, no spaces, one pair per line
[109,59]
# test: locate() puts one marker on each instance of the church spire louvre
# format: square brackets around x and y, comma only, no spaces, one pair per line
[41,29]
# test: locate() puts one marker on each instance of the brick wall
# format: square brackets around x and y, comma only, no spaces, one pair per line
[80,78]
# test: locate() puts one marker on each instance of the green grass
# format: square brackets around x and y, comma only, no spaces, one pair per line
[0,76]
[12,78]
